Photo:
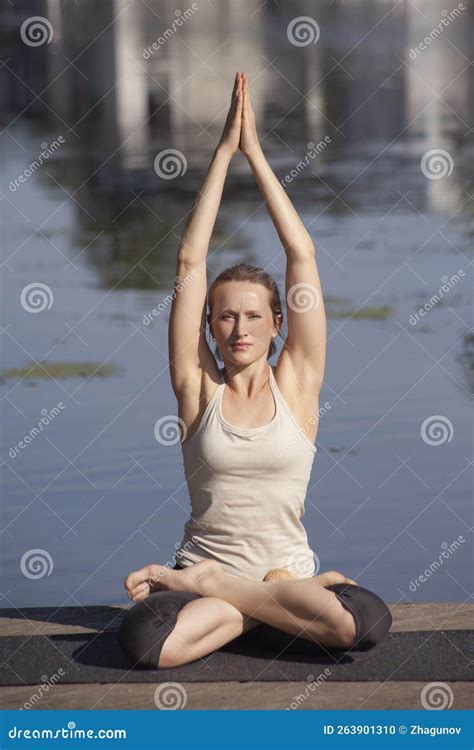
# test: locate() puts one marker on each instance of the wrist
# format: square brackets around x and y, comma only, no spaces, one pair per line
[224,153]
[254,154]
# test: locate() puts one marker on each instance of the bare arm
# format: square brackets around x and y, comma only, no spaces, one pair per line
[189,352]
[202,217]
[305,345]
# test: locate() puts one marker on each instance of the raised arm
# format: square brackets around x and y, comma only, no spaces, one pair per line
[305,345]
[189,352]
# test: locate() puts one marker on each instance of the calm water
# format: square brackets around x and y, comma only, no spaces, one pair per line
[94,491]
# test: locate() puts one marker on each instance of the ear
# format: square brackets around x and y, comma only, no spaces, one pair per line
[278,322]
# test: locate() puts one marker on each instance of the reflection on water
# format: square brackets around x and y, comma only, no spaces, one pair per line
[98,224]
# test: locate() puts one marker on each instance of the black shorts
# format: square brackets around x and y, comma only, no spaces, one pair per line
[149,622]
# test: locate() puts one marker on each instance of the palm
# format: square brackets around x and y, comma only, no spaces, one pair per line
[231,134]
[248,134]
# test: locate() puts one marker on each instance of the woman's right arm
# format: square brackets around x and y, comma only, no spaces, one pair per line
[189,352]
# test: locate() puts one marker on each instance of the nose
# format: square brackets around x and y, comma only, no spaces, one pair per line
[239,328]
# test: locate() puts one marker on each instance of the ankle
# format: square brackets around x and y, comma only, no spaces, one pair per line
[209,580]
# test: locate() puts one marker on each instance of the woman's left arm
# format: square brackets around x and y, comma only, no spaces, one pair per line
[305,344]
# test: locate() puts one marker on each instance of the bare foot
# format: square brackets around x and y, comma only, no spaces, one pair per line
[279,574]
[197,578]
[325,579]
[202,577]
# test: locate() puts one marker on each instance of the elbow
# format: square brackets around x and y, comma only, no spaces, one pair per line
[188,261]
[302,250]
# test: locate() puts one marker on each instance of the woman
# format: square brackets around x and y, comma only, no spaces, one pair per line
[248,446]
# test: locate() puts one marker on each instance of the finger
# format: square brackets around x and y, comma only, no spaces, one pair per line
[239,104]
[249,103]
[235,111]
[246,94]
[236,86]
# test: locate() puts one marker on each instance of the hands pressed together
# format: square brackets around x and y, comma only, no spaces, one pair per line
[240,129]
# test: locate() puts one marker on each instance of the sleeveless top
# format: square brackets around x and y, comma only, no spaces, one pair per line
[247,487]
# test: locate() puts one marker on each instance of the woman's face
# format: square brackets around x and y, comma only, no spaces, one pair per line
[241,313]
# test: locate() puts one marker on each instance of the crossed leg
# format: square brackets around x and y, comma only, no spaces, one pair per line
[206,624]
[186,620]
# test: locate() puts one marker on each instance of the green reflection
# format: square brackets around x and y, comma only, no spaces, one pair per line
[380,312]
[61,370]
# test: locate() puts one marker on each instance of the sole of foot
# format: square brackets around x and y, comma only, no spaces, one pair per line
[279,574]
[325,579]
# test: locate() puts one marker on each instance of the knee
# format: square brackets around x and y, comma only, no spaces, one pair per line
[347,631]
[148,623]
[376,620]
[371,618]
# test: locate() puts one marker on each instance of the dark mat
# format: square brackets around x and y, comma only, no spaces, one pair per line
[265,654]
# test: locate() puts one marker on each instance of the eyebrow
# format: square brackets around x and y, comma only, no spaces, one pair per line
[233,311]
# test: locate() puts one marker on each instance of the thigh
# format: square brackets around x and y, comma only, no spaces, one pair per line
[372,617]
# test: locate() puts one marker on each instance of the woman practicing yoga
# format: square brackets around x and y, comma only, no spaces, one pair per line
[248,446]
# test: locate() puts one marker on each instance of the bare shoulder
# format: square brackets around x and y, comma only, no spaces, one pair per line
[301,394]
[194,398]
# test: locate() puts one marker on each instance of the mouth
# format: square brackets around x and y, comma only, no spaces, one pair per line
[240,346]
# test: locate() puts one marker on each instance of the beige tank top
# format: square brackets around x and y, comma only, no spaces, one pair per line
[247,487]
